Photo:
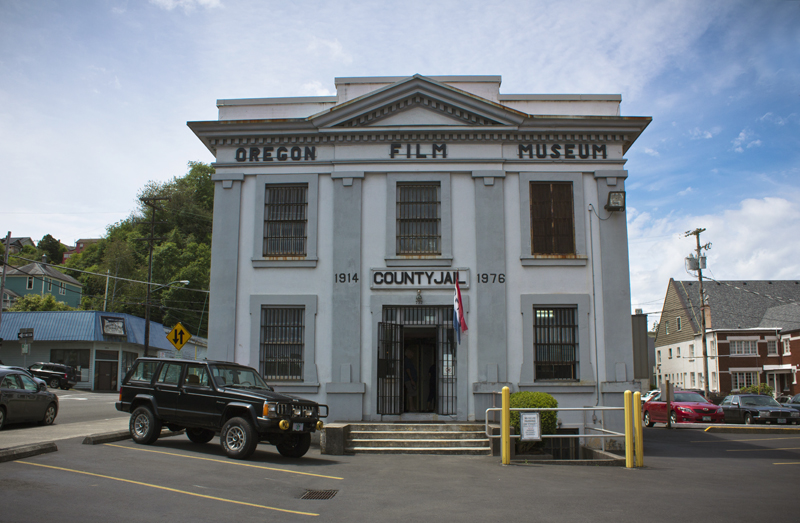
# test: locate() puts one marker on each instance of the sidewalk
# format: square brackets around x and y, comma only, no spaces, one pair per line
[27,434]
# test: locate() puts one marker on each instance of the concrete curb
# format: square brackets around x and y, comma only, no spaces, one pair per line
[108,437]
[26,451]
[749,429]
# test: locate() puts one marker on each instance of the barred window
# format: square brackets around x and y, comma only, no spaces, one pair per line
[740,380]
[744,347]
[282,342]
[556,343]
[552,218]
[285,220]
[418,218]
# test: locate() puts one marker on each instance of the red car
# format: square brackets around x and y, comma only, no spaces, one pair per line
[686,407]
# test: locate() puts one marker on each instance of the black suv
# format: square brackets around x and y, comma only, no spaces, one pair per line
[216,397]
[57,375]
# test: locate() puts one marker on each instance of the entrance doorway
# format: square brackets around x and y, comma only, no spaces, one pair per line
[416,361]
[105,375]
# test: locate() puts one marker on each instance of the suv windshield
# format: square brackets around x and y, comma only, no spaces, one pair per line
[236,376]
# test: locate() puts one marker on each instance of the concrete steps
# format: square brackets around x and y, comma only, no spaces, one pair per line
[417,438]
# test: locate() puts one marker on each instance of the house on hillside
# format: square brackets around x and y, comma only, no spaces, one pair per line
[16,245]
[750,326]
[79,247]
[342,224]
[41,278]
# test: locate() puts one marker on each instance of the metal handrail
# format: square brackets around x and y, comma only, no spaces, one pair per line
[611,433]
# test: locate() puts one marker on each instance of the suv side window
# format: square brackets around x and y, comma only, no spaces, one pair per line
[726,401]
[36,366]
[144,371]
[170,373]
[196,376]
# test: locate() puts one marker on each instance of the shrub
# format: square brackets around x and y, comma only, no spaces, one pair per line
[761,388]
[534,400]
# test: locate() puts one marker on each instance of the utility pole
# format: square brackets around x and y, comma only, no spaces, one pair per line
[3,281]
[700,264]
[150,202]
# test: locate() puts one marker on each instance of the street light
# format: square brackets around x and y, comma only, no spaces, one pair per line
[147,311]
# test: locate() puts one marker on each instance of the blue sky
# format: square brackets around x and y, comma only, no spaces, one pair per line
[95,96]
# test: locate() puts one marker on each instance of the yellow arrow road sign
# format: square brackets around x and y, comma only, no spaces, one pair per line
[178,336]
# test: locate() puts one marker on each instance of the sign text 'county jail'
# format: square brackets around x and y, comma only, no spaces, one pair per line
[418,278]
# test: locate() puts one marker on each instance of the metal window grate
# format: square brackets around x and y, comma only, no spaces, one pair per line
[418,219]
[285,220]
[552,218]
[319,494]
[282,342]
[556,343]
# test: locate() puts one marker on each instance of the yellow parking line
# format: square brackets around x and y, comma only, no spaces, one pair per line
[745,440]
[791,463]
[223,461]
[170,489]
[757,450]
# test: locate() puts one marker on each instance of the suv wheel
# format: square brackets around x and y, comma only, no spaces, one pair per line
[144,426]
[294,446]
[54,383]
[200,435]
[238,438]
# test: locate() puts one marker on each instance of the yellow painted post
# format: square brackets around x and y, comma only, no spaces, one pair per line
[637,428]
[505,427]
[628,431]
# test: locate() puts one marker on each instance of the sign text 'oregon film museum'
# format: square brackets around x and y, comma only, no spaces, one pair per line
[342,223]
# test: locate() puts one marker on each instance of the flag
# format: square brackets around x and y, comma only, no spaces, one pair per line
[459,323]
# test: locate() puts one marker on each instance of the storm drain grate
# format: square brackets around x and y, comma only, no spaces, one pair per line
[319,494]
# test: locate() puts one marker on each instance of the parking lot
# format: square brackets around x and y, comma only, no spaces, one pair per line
[716,477]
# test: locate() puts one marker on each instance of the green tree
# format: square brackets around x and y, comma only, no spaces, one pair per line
[184,221]
[34,302]
[53,248]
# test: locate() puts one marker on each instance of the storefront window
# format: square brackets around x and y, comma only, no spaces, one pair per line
[77,358]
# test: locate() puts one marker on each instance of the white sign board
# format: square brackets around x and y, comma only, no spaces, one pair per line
[530,426]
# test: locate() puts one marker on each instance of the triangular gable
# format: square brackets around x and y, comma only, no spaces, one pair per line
[417,101]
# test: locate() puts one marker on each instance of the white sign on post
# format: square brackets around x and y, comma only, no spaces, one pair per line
[530,426]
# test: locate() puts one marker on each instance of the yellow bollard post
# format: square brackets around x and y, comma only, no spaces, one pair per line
[637,428]
[505,427]
[628,431]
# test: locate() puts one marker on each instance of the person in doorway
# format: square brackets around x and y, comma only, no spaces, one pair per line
[410,381]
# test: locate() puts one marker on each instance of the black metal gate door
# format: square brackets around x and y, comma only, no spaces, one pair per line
[390,368]
[446,366]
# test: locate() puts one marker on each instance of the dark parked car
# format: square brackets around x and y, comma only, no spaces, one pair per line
[215,397]
[57,375]
[686,407]
[755,408]
[24,371]
[22,399]
[793,402]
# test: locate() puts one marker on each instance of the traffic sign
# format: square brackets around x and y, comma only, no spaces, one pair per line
[178,336]
[24,334]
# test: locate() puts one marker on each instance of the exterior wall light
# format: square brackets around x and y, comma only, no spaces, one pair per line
[616,201]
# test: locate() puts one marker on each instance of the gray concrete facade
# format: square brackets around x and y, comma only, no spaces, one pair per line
[482,151]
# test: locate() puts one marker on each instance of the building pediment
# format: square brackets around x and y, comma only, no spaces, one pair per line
[418,101]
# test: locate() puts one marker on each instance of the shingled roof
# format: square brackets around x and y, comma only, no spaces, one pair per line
[744,304]
[40,269]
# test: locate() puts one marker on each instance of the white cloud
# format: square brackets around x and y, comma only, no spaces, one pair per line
[754,241]
[745,140]
[651,152]
[186,5]
[332,48]
[697,133]
[686,191]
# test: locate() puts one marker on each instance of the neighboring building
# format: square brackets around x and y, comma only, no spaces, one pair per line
[40,278]
[746,331]
[17,244]
[101,345]
[342,222]
[80,245]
